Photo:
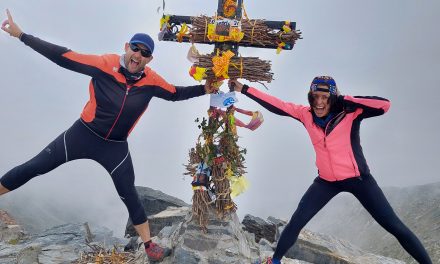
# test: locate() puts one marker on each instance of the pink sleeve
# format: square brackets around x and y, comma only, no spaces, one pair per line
[276,105]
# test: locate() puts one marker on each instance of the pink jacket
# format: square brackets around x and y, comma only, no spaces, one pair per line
[338,151]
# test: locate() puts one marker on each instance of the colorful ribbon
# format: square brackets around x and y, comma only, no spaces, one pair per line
[198,73]
[183,31]
[164,22]
[238,185]
[255,122]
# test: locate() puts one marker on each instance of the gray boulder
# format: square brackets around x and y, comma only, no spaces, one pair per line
[154,202]
[167,218]
[10,231]
[310,247]
[61,244]
[259,227]
[161,221]
[323,249]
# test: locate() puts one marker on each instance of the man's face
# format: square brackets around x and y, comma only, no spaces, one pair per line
[134,61]
[321,104]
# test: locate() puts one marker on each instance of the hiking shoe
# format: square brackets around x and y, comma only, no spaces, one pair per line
[273,261]
[268,260]
[156,252]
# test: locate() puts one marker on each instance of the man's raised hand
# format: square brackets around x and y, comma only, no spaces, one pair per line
[10,27]
[210,87]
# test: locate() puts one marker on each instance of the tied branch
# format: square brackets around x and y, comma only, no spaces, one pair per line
[252,69]
[255,31]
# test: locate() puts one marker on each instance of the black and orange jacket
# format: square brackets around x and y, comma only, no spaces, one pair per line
[114,106]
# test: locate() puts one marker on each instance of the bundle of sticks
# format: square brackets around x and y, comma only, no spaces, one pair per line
[252,69]
[216,147]
[255,31]
[223,203]
[100,255]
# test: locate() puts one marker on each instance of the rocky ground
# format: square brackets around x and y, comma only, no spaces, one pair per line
[226,241]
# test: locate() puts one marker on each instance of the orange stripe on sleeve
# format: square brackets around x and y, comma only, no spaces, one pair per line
[89,111]
[108,63]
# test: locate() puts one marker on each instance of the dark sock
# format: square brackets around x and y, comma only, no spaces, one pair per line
[147,244]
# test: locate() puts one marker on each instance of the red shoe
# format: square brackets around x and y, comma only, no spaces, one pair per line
[156,252]
[267,260]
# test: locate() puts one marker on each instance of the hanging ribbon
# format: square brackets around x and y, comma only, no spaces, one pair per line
[231,120]
[203,188]
[198,73]
[193,54]
[164,22]
[238,185]
[286,27]
[280,47]
[255,122]
[183,31]
[229,173]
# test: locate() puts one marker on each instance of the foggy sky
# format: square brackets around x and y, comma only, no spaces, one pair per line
[383,48]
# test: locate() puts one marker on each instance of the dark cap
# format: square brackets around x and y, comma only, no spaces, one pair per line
[144,39]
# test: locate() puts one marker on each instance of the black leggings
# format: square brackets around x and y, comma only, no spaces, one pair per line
[80,142]
[366,190]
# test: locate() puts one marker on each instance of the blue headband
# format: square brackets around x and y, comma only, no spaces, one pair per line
[326,80]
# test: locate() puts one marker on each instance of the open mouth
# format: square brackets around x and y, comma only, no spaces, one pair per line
[134,63]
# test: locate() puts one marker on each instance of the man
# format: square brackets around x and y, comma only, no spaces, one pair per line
[333,122]
[120,90]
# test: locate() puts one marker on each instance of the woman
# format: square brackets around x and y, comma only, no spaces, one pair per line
[333,121]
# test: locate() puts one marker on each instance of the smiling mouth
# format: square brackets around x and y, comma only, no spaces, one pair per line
[134,62]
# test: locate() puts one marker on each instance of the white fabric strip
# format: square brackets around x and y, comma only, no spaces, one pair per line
[65,146]
[120,163]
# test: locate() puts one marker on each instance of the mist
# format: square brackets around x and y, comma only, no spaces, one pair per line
[387,49]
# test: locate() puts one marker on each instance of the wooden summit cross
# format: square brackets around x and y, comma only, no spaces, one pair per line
[176,22]
[217,162]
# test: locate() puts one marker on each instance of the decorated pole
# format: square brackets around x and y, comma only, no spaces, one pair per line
[216,163]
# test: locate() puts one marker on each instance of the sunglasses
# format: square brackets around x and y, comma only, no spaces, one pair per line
[144,52]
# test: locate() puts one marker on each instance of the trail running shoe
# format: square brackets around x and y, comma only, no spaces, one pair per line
[269,260]
[156,252]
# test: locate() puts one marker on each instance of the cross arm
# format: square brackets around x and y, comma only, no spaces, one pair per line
[175,23]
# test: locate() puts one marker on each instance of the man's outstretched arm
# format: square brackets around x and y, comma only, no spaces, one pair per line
[64,57]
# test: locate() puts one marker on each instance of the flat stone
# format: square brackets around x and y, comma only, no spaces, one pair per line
[184,256]
[200,244]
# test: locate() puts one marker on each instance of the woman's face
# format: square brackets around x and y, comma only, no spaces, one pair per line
[321,104]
